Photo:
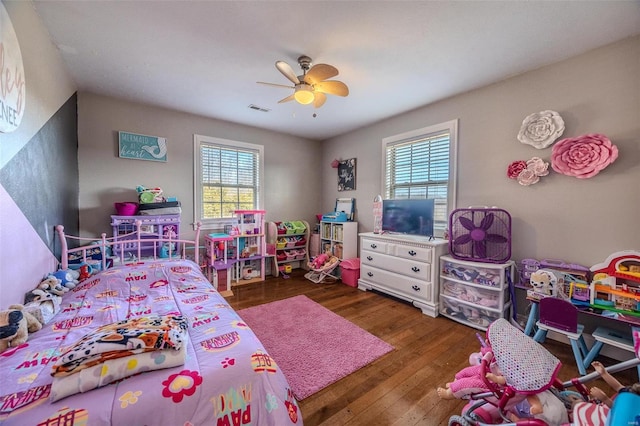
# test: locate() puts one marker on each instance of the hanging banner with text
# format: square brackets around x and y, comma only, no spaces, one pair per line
[142,147]
[12,83]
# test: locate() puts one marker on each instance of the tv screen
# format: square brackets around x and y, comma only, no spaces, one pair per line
[413,217]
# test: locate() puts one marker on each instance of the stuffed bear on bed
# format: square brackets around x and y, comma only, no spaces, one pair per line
[15,326]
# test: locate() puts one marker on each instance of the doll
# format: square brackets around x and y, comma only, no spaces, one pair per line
[597,393]
[594,414]
[469,381]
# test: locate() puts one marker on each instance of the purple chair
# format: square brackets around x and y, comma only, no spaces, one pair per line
[561,317]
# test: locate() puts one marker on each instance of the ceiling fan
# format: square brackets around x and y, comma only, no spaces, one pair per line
[312,85]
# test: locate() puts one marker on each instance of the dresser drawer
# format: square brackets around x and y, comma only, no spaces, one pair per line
[422,254]
[415,288]
[373,245]
[478,295]
[409,268]
[470,314]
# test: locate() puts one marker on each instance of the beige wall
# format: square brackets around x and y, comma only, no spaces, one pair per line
[561,217]
[292,171]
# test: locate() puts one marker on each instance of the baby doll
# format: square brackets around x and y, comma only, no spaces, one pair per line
[542,406]
[468,381]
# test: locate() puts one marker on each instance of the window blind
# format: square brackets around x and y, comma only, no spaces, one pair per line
[230,179]
[419,168]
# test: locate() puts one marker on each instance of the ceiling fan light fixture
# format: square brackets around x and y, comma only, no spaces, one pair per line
[304,94]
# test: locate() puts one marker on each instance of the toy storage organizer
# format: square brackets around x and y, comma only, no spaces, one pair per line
[290,242]
[475,293]
[152,226]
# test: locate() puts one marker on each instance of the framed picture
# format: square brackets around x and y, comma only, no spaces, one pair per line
[347,175]
[142,147]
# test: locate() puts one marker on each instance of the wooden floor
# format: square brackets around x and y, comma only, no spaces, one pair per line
[400,387]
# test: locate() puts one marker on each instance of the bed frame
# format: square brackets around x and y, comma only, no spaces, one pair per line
[129,244]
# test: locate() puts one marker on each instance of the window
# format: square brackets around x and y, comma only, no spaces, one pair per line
[421,164]
[227,177]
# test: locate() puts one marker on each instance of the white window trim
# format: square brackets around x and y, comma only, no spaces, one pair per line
[219,224]
[450,126]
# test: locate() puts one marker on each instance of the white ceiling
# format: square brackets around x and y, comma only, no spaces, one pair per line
[205,57]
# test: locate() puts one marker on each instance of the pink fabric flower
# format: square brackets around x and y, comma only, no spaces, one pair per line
[528,177]
[538,166]
[583,156]
[515,168]
[528,172]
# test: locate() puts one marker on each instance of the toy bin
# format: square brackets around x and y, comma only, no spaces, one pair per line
[298,227]
[350,271]
[126,209]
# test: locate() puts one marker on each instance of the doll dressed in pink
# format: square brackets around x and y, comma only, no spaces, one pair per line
[468,381]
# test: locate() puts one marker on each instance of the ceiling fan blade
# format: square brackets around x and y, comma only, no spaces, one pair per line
[320,72]
[319,99]
[287,99]
[332,87]
[276,85]
[287,71]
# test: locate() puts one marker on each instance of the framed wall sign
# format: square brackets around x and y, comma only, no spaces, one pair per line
[142,147]
[12,84]
[347,175]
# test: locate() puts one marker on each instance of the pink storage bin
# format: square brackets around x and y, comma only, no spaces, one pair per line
[350,271]
[126,208]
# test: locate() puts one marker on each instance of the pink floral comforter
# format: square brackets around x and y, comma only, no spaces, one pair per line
[227,378]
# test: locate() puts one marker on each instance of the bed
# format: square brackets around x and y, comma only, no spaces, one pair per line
[219,375]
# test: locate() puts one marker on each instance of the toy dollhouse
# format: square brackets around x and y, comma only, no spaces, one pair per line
[616,283]
[237,257]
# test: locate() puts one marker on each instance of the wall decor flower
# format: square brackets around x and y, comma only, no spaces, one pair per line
[541,129]
[584,156]
[528,172]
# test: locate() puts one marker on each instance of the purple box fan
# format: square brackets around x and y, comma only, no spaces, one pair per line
[480,234]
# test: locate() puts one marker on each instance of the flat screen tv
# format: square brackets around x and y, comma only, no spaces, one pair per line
[408,216]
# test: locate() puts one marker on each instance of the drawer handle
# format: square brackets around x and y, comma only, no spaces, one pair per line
[374,246]
[412,253]
[369,258]
[415,287]
[370,274]
[415,269]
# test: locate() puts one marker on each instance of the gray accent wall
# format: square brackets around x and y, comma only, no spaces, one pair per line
[42,178]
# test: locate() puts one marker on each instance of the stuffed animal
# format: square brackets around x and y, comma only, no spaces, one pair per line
[84,272]
[48,303]
[15,326]
[68,278]
[53,285]
[319,261]
[543,282]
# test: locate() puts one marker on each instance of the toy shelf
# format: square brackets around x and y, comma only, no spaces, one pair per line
[290,240]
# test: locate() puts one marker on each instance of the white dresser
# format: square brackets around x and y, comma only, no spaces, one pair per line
[404,266]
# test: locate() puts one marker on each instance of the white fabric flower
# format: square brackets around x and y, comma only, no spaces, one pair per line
[541,129]
[538,166]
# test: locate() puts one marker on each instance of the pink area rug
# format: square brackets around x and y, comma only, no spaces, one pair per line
[313,346]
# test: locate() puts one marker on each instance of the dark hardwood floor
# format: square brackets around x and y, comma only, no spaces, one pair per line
[400,387]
